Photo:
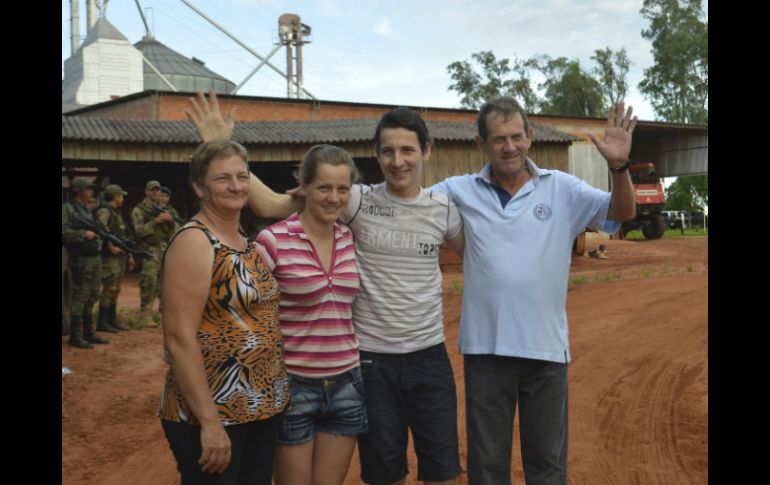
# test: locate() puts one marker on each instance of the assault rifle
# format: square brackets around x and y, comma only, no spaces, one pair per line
[158,209]
[126,245]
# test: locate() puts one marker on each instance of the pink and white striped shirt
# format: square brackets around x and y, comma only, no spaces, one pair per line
[316,306]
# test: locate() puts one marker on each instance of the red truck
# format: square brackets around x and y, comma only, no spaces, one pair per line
[650,201]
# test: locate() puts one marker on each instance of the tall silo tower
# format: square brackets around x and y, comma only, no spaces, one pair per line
[105,66]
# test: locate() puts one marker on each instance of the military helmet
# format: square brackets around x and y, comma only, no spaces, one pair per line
[80,183]
[112,190]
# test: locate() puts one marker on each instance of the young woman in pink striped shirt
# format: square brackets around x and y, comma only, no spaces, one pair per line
[312,257]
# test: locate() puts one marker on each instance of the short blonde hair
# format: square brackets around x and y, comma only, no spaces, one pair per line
[210,151]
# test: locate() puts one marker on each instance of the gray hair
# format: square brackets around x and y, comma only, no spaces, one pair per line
[504,106]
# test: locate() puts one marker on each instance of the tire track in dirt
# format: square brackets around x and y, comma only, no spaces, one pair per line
[637,387]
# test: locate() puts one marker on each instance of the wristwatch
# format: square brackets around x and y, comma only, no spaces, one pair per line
[621,168]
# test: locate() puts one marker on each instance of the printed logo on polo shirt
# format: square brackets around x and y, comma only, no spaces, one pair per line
[542,212]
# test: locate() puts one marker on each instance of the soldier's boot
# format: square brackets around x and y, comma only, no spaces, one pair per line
[76,333]
[88,330]
[104,321]
[113,320]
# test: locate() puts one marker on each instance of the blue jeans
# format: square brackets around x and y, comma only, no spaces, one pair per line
[493,387]
[333,405]
[409,391]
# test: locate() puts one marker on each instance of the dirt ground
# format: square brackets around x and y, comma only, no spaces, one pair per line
[638,379]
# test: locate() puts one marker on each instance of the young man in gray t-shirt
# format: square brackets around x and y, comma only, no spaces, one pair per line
[397,314]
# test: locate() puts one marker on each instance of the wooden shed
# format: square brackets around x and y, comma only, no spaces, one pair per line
[131,152]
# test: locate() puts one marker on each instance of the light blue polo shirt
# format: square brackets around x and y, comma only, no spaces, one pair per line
[517,259]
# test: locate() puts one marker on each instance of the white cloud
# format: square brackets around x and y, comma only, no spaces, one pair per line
[382,27]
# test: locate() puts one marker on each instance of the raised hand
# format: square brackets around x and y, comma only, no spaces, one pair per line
[208,120]
[616,145]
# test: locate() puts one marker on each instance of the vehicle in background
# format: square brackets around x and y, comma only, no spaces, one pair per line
[650,200]
[683,219]
[676,219]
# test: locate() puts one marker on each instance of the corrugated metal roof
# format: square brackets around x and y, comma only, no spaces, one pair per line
[645,125]
[66,107]
[170,62]
[78,128]
[102,29]
[129,131]
[549,134]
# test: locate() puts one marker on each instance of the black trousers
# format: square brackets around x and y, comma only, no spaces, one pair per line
[494,385]
[252,450]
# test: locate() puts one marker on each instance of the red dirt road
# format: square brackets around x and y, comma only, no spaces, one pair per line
[638,379]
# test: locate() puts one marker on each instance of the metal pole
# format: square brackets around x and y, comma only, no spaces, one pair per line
[162,77]
[235,90]
[90,15]
[273,67]
[144,19]
[299,65]
[102,8]
[289,71]
[74,25]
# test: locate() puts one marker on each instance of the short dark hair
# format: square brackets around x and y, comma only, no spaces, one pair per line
[324,154]
[403,118]
[207,152]
[504,106]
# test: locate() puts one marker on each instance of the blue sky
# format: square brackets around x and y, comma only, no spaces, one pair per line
[391,52]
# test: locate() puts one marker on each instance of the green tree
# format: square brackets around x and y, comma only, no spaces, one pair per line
[568,89]
[493,80]
[612,73]
[677,84]
[689,192]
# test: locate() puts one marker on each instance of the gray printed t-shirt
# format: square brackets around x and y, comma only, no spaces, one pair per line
[398,308]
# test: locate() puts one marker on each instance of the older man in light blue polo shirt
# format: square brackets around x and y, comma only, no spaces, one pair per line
[520,222]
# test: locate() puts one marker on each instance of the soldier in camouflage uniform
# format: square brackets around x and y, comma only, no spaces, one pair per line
[165,199]
[164,202]
[114,259]
[83,248]
[152,230]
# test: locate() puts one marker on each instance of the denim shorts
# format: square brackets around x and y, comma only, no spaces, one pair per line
[409,391]
[333,405]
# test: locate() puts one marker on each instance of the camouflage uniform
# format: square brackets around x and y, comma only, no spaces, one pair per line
[113,267]
[152,238]
[175,215]
[85,265]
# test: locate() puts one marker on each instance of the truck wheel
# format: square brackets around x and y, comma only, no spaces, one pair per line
[66,293]
[655,228]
